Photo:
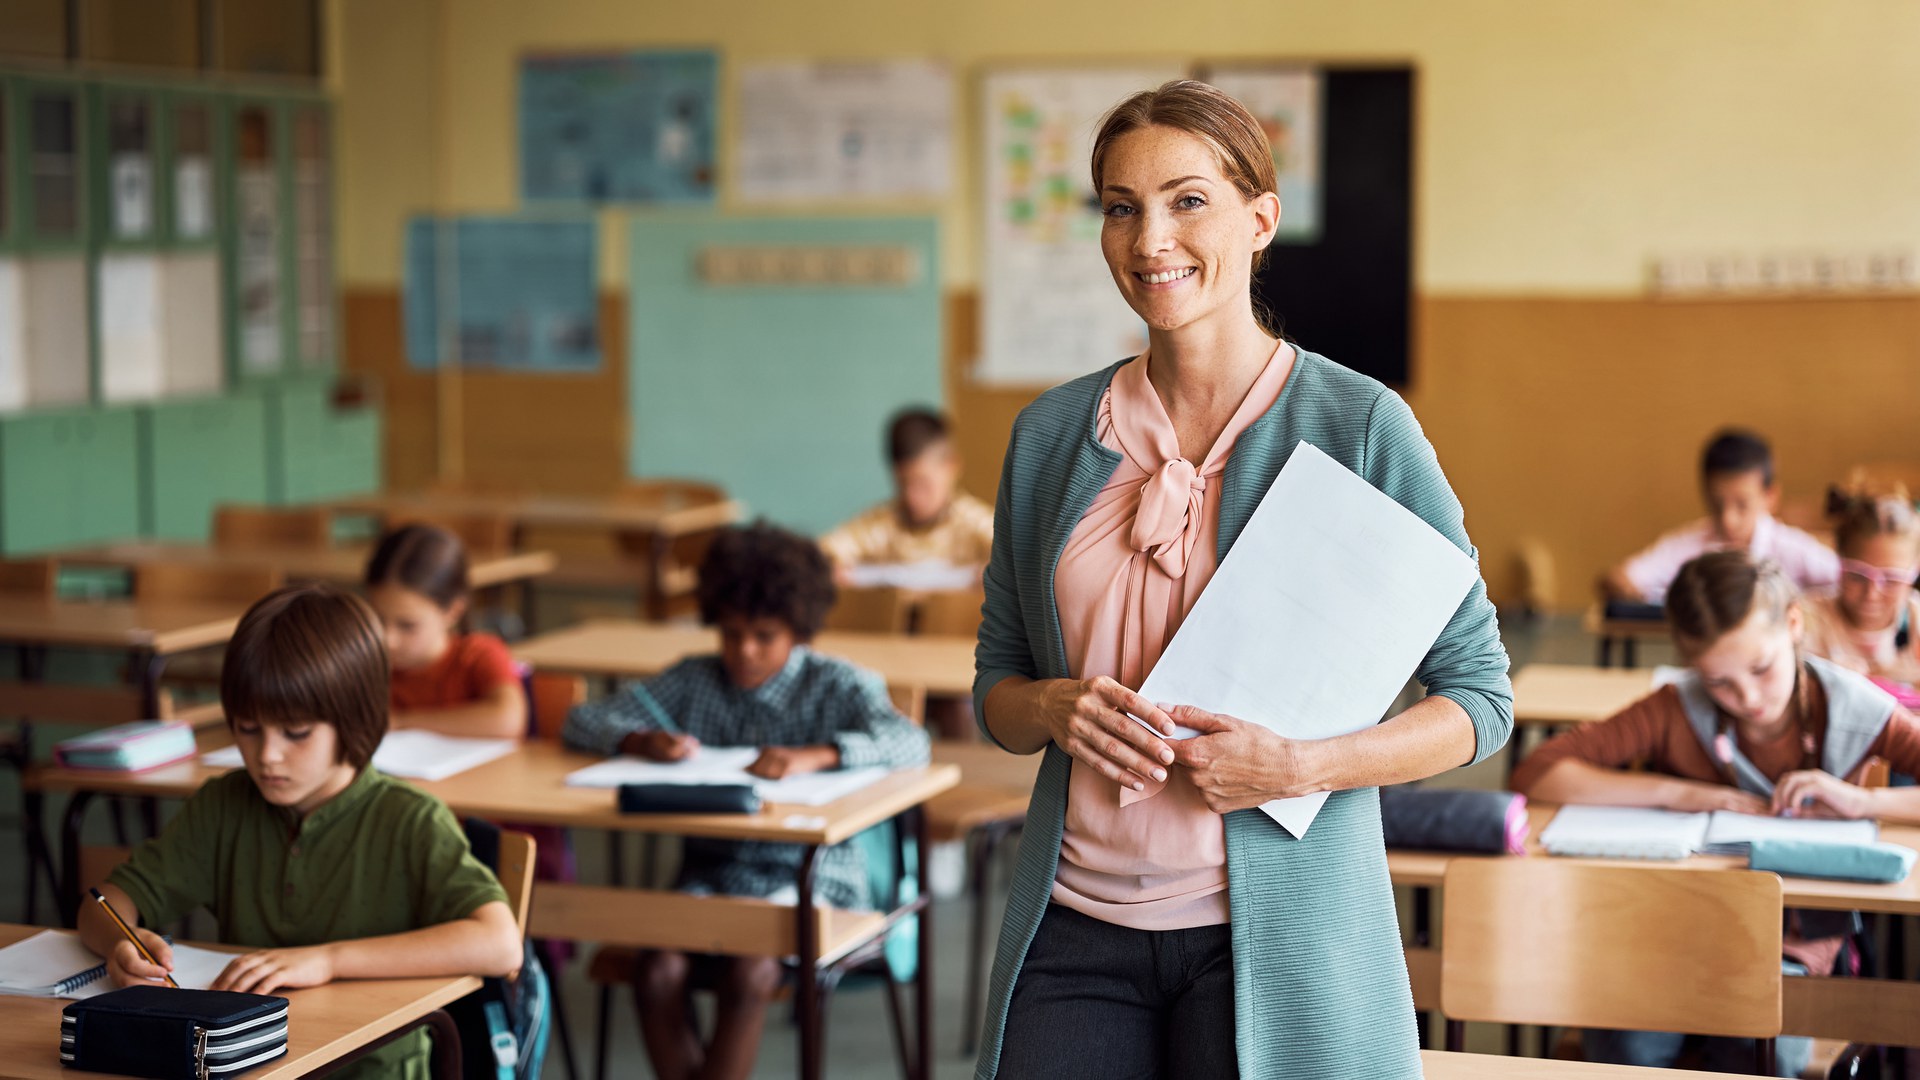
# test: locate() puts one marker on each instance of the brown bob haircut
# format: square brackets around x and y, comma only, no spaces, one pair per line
[310,652]
[425,559]
[1716,592]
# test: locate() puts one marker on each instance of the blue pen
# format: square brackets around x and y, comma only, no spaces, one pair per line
[660,718]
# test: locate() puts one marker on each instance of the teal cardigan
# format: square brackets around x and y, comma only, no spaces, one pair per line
[1320,978]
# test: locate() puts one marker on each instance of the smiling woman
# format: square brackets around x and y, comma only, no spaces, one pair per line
[1121,493]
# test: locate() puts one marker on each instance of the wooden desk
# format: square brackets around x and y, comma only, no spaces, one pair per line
[668,516]
[622,648]
[1547,696]
[1628,632]
[344,565]
[1440,1065]
[325,1023]
[528,786]
[147,632]
[1875,1011]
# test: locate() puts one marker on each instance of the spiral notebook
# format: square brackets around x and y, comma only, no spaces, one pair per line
[53,963]
[1624,832]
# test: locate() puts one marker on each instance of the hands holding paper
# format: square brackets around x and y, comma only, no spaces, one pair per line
[1237,765]
[1093,719]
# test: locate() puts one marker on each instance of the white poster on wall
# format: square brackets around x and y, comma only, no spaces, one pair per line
[825,131]
[1286,101]
[1049,309]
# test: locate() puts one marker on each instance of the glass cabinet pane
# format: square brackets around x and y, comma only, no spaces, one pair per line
[53,163]
[193,217]
[256,192]
[6,170]
[312,237]
[130,168]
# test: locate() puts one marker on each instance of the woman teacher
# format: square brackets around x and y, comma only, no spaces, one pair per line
[1159,924]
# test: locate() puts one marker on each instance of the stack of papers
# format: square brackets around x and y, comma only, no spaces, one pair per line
[1622,832]
[53,963]
[727,765]
[930,576]
[411,755]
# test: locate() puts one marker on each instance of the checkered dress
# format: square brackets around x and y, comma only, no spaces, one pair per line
[813,701]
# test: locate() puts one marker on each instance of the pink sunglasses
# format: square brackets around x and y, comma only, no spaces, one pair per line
[1880,577]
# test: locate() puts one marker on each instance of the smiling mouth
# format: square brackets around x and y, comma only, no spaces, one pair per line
[1169,276]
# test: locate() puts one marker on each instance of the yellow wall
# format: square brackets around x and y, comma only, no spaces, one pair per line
[1561,145]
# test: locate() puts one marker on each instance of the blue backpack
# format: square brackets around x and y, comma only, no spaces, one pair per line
[504,1024]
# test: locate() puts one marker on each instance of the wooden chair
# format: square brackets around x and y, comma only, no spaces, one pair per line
[481,534]
[550,696]
[189,583]
[269,526]
[950,612]
[911,701]
[29,577]
[881,610]
[1567,944]
[517,851]
[671,558]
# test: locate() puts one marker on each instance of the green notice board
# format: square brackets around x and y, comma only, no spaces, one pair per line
[778,391]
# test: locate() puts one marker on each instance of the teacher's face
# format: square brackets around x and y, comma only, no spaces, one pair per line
[1178,237]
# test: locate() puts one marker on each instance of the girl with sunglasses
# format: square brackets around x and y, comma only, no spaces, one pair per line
[1871,622]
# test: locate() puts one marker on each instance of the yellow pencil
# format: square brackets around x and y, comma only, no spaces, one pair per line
[128,930]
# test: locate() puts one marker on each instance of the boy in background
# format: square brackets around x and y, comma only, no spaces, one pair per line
[1737,483]
[929,519]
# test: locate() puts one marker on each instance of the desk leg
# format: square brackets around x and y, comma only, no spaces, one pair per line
[1606,651]
[807,945]
[1627,658]
[923,973]
[70,825]
[145,669]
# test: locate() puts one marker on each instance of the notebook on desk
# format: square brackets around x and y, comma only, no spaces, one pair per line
[1626,832]
[54,963]
[411,754]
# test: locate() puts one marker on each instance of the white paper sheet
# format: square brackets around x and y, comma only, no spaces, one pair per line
[1330,598]
[411,755]
[727,765]
[932,575]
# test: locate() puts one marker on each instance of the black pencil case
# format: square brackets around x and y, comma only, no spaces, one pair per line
[689,799]
[169,1034]
[1632,611]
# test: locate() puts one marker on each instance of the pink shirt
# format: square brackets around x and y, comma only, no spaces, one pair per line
[1803,558]
[1132,568]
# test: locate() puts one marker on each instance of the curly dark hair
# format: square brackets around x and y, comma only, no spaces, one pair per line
[762,571]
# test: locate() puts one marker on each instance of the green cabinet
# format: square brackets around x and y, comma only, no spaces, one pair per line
[197,454]
[319,449]
[68,476]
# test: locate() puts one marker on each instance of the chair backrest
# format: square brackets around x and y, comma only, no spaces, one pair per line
[480,534]
[29,577]
[1632,947]
[271,526]
[201,584]
[911,701]
[880,610]
[678,494]
[953,612]
[515,872]
[550,696]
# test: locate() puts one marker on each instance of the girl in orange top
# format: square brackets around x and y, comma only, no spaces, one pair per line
[443,680]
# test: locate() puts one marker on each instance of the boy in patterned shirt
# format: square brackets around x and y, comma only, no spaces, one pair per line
[767,590]
[929,519]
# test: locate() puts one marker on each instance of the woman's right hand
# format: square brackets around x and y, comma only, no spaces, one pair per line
[1089,719]
[126,967]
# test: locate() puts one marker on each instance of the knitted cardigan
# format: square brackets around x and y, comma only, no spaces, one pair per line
[1320,979]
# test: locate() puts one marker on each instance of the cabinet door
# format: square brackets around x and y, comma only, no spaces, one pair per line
[55,201]
[259,237]
[312,236]
[199,454]
[37,492]
[129,192]
[106,480]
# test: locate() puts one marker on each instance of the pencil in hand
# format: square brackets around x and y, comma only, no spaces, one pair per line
[131,936]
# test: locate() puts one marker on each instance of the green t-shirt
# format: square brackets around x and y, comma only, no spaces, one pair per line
[381,857]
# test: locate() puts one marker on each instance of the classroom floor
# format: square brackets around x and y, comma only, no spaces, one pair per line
[859,1040]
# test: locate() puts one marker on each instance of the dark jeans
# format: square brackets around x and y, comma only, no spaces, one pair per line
[1105,1002]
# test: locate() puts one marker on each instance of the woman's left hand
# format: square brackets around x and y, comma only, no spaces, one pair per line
[1817,793]
[1237,765]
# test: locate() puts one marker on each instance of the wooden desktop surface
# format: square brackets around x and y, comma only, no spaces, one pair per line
[1547,694]
[625,648]
[529,786]
[344,565]
[664,515]
[1440,1065]
[162,627]
[324,1023]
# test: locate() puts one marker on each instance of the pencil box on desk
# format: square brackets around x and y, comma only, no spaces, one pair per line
[1879,862]
[1449,819]
[689,799]
[146,744]
[163,1033]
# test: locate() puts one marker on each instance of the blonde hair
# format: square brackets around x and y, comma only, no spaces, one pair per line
[1864,517]
[1718,591]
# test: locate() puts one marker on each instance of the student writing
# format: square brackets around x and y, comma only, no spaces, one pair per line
[929,519]
[443,680]
[1737,484]
[323,866]
[767,591]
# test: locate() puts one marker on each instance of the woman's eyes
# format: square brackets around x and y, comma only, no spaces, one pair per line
[1117,210]
[1184,202]
[1190,202]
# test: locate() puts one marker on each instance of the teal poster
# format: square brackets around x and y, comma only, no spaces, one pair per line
[493,292]
[618,127]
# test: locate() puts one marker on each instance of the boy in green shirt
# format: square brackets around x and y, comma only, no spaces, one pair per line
[327,868]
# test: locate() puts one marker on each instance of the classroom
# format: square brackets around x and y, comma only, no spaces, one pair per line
[1307,541]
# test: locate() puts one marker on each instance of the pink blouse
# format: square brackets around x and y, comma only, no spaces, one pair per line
[1132,568]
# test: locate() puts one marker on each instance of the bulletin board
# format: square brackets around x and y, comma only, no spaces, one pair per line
[778,392]
[502,292]
[618,127]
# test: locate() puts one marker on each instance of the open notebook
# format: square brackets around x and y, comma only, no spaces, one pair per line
[53,963]
[1626,832]
[727,765]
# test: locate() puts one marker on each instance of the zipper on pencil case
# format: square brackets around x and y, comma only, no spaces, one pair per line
[277,1033]
[236,1066]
